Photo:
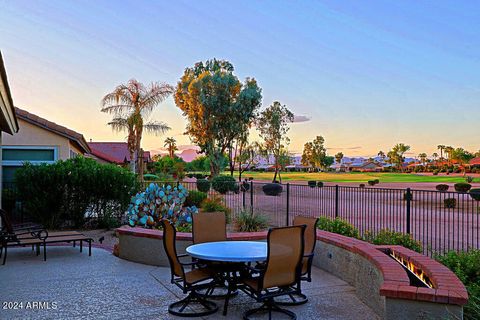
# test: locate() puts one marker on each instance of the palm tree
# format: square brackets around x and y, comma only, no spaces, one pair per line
[448,152]
[423,157]
[434,156]
[441,147]
[171,144]
[130,104]
[381,154]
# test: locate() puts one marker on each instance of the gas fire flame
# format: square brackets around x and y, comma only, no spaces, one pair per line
[416,271]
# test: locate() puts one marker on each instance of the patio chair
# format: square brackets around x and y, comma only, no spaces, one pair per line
[310,240]
[211,227]
[282,271]
[189,282]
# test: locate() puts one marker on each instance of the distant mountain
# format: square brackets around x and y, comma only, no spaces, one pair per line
[189,154]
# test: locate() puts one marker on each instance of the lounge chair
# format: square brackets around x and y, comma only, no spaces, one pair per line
[36,236]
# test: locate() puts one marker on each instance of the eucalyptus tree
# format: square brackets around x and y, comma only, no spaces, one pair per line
[273,126]
[314,153]
[339,157]
[218,107]
[131,104]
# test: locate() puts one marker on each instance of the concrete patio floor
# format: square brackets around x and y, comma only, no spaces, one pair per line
[102,286]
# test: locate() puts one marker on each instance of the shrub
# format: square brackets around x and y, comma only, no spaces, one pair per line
[475,194]
[465,266]
[312,184]
[250,178]
[250,222]
[462,187]
[435,172]
[223,184]
[320,184]
[450,203]
[469,179]
[376,181]
[362,185]
[337,225]
[195,198]
[9,197]
[450,170]
[190,175]
[371,183]
[66,193]
[272,189]
[199,176]
[391,237]
[148,208]
[442,187]
[216,204]
[203,185]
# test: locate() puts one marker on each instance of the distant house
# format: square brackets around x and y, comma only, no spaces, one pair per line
[114,152]
[8,119]
[38,141]
[475,162]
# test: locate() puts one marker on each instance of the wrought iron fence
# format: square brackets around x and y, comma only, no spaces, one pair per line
[441,221]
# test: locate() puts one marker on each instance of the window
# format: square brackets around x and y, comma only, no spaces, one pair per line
[73,154]
[17,155]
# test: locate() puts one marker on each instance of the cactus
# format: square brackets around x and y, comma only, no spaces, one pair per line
[149,207]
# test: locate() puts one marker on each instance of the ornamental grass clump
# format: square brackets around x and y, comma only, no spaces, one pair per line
[216,204]
[148,208]
[250,222]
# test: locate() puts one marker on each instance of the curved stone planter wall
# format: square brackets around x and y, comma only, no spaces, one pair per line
[380,281]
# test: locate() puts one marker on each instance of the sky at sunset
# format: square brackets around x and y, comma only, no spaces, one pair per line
[368,74]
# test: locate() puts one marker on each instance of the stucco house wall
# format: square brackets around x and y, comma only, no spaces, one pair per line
[32,135]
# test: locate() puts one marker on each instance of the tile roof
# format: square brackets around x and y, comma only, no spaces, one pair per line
[73,136]
[114,152]
[475,161]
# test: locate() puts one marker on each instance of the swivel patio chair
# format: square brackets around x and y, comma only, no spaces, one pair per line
[189,282]
[310,240]
[281,274]
[211,227]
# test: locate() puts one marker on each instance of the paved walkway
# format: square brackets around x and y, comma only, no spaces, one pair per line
[71,285]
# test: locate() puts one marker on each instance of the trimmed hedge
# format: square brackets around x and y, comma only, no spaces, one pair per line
[223,184]
[203,185]
[66,193]
[386,236]
[312,184]
[450,203]
[195,198]
[442,187]
[272,189]
[475,194]
[337,225]
[462,187]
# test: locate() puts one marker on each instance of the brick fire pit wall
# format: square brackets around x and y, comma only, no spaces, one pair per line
[380,281]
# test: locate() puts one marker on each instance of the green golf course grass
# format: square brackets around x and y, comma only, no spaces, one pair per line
[355,177]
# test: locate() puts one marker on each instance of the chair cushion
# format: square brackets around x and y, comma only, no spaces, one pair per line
[197,275]
[252,283]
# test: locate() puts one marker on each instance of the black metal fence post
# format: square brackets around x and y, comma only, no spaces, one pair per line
[288,204]
[243,189]
[408,197]
[251,197]
[336,201]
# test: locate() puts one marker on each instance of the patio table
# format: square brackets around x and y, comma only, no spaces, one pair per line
[230,252]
